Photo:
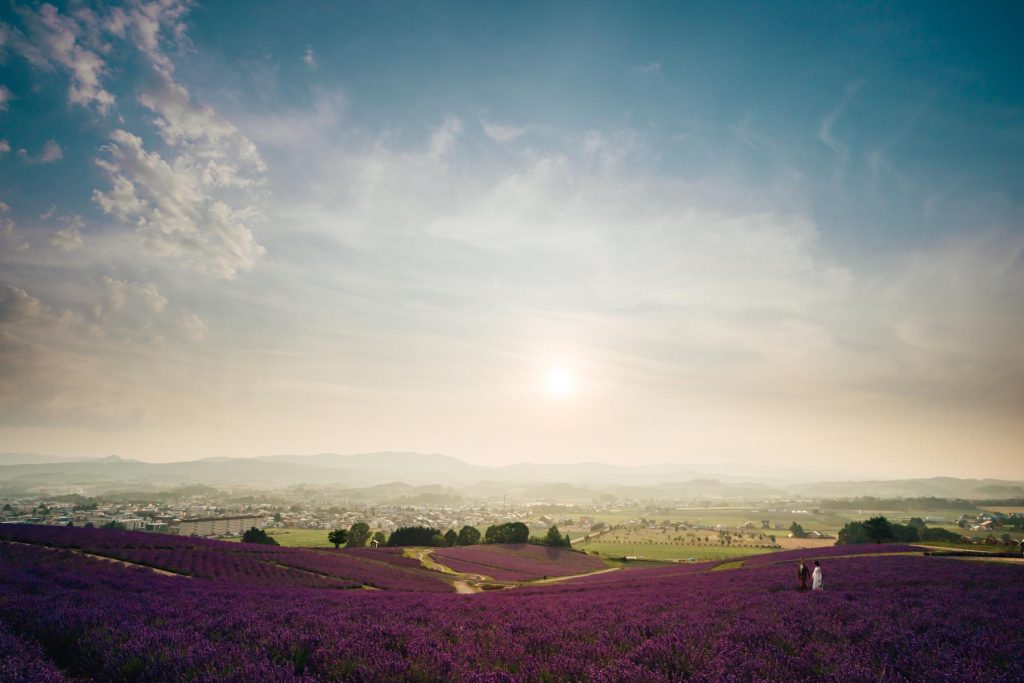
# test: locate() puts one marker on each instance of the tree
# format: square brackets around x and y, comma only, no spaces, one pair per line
[878,529]
[510,532]
[469,535]
[905,533]
[70,523]
[939,534]
[115,525]
[797,531]
[254,535]
[414,535]
[450,538]
[277,517]
[554,537]
[380,538]
[852,534]
[338,537]
[358,535]
[917,523]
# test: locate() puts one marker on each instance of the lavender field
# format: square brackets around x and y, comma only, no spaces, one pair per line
[517,562]
[882,617]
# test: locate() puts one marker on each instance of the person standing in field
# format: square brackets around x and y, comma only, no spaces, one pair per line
[802,573]
[816,582]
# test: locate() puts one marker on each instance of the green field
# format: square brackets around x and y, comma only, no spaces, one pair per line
[300,538]
[670,552]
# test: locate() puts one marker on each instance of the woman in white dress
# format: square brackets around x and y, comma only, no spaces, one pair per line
[816,577]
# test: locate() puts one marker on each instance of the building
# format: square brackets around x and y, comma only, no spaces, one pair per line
[219,526]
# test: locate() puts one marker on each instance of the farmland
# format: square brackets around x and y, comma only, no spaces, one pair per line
[668,544]
[882,617]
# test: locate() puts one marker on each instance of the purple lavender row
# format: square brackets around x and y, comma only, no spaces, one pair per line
[517,562]
[24,662]
[218,560]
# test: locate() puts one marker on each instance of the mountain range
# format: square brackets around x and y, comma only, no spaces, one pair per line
[406,475]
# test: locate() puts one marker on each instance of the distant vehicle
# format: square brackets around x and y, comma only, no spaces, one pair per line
[692,559]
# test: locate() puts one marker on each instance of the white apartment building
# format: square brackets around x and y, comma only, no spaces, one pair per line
[218,526]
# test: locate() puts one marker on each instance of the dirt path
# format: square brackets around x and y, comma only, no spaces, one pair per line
[554,579]
[126,563]
[463,588]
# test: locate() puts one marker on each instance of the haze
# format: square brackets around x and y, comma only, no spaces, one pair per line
[627,233]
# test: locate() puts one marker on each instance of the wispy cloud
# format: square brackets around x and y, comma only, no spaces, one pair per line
[649,68]
[826,131]
[502,133]
[309,59]
[50,152]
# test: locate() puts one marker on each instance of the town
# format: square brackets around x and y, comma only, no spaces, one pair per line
[622,528]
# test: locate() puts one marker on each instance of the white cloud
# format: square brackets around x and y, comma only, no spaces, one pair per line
[649,68]
[55,40]
[825,131]
[8,233]
[191,326]
[503,133]
[171,207]
[309,59]
[68,238]
[5,147]
[94,370]
[143,23]
[226,157]
[50,152]
[5,97]
[444,138]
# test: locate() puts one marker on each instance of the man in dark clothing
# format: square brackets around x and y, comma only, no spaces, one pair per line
[802,573]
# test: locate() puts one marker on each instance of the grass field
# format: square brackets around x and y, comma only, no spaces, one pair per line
[670,552]
[300,538]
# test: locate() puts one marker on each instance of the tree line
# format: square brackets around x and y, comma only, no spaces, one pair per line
[881,530]
[358,535]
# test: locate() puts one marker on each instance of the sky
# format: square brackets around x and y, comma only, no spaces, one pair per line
[654,232]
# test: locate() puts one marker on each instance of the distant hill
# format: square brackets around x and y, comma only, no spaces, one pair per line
[434,477]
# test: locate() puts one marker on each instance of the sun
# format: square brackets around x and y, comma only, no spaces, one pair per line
[559,383]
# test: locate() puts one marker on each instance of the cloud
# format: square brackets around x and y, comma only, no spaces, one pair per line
[444,138]
[223,156]
[8,232]
[171,206]
[5,97]
[68,368]
[309,59]
[5,147]
[68,238]
[649,68]
[55,41]
[51,152]
[191,326]
[503,133]
[144,22]
[825,130]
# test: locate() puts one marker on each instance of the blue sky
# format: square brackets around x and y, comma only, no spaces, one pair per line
[749,233]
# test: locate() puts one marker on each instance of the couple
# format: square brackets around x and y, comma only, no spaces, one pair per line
[802,574]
